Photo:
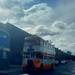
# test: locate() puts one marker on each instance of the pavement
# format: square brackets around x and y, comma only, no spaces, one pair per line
[13,69]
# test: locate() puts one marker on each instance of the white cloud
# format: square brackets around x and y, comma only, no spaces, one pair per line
[65,10]
[38,14]
[58,27]
[28,29]
[12,10]
[41,30]
[15,14]
[8,4]
[72,27]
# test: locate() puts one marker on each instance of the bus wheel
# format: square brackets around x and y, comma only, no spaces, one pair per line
[24,69]
[41,67]
[52,67]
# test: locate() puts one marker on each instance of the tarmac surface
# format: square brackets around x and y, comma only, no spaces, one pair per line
[63,69]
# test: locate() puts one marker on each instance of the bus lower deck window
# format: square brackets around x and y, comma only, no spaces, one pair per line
[39,56]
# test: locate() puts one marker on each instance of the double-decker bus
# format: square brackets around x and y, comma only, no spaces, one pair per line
[4,49]
[38,54]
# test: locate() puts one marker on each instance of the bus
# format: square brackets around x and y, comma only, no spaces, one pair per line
[4,49]
[37,54]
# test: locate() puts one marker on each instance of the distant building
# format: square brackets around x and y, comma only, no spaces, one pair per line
[68,52]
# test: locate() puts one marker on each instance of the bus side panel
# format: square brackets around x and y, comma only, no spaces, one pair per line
[4,61]
[4,49]
[49,61]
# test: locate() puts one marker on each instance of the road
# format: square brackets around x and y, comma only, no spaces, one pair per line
[65,69]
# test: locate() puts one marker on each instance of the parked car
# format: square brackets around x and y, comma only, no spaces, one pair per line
[63,61]
[56,62]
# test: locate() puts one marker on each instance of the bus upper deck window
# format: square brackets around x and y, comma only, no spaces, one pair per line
[31,42]
[42,43]
[27,42]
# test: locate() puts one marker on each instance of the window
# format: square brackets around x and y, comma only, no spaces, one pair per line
[32,55]
[31,42]
[48,57]
[39,56]
[26,55]
[4,55]
[42,43]
[45,57]
[29,55]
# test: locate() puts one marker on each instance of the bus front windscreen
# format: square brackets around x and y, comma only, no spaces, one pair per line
[31,42]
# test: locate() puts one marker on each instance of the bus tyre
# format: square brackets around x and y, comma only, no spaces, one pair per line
[52,67]
[41,67]
[24,69]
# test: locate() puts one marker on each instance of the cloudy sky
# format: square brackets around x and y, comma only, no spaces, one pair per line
[53,20]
